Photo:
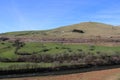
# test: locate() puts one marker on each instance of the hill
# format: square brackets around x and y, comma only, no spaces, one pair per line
[82,30]
[54,50]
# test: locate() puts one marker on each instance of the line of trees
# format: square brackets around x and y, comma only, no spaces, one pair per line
[75,60]
[80,58]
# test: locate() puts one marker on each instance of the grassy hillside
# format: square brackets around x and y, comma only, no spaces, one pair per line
[90,29]
[46,54]
[7,50]
[18,54]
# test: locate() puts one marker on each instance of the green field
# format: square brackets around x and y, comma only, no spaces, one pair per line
[9,58]
[7,49]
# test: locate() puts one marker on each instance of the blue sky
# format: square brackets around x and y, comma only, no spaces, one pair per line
[19,15]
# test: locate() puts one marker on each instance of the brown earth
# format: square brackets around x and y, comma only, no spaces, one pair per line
[111,74]
[95,41]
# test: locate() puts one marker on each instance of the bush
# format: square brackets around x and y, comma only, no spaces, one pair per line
[92,48]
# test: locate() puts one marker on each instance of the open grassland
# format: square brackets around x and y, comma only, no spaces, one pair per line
[7,49]
[84,30]
[20,55]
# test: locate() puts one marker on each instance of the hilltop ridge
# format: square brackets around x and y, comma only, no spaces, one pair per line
[81,30]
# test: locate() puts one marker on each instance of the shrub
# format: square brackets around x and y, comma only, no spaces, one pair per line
[78,31]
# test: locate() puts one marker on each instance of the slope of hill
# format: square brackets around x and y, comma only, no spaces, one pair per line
[84,30]
[32,51]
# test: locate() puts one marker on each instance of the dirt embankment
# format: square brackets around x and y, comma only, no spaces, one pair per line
[115,40]
[111,74]
[94,41]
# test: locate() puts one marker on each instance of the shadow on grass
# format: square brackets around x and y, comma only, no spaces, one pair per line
[53,71]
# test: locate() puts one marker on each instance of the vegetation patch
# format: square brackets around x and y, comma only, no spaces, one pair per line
[78,31]
[20,55]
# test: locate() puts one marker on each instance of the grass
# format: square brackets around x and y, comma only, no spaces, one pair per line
[4,48]
[7,50]
[49,48]
[91,29]
[53,48]
[29,65]
[23,65]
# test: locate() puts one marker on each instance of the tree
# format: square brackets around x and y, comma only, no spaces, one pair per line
[18,44]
